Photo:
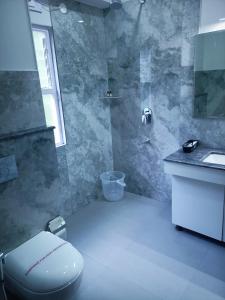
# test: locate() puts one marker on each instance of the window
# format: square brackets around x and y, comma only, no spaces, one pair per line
[45,55]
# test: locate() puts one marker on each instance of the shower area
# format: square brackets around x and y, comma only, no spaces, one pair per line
[113,63]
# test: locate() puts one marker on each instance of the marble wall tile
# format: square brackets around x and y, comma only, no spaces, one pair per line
[151,78]
[36,195]
[83,76]
[190,26]
[66,192]
[21,104]
[153,43]
[55,181]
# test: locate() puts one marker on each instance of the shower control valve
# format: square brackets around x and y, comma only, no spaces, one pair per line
[146,116]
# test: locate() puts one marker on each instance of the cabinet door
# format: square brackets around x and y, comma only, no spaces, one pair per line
[198,206]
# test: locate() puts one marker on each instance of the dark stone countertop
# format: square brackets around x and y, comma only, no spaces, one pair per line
[195,158]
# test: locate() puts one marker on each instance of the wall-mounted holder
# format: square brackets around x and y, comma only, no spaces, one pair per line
[109,95]
[146,116]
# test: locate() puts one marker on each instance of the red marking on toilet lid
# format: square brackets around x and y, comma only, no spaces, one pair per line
[43,258]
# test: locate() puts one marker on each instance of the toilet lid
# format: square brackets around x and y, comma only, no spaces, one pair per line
[43,264]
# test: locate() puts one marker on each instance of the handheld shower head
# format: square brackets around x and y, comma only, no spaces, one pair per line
[116,4]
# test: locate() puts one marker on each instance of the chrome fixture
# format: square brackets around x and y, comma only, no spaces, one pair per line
[146,116]
[142,1]
[116,4]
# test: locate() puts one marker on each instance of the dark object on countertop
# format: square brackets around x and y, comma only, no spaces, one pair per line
[190,146]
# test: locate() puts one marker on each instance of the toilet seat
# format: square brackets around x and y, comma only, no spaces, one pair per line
[44,264]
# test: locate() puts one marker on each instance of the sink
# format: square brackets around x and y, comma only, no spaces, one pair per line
[215,158]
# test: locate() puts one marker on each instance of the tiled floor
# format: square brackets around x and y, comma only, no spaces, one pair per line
[133,252]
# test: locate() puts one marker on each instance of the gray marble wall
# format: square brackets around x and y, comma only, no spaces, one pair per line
[35,196]
[83,76]
[38,193]
[150,61]
[54,181]
[20,101]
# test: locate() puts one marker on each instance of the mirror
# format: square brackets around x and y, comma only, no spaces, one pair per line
[209,100]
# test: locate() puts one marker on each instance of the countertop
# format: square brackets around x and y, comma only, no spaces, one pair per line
[195,158]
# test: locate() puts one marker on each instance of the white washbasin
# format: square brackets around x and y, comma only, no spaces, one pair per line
[215,158]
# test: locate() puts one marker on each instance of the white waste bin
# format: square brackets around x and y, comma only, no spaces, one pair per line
[113,185]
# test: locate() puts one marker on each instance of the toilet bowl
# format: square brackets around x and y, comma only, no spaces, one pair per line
[44,268]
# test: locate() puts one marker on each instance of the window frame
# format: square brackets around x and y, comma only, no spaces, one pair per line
[55,90]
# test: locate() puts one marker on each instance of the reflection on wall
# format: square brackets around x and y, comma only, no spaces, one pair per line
[210,75]
[209,94]
[209,51]
[80,51]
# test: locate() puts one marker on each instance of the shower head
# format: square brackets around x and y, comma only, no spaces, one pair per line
[116,4]
[142,1]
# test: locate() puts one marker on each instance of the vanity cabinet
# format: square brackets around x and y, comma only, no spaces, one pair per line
[198,193]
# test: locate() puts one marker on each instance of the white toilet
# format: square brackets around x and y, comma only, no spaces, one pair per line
[46,267]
